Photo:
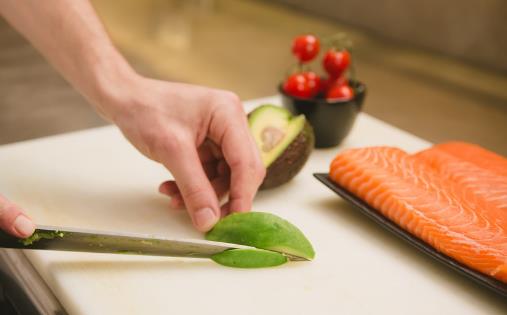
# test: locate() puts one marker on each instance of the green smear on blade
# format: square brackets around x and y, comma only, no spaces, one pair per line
[38,235]
[249,258]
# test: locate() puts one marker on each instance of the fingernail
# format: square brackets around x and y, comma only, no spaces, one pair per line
[24,226]
[204,218]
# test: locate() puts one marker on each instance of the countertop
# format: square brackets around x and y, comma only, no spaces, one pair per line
[96,179]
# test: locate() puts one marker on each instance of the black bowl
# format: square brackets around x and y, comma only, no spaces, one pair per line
[331,121]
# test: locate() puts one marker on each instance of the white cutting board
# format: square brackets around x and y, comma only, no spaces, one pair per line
[95,179]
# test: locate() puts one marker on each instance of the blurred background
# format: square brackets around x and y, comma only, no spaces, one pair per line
[437,69]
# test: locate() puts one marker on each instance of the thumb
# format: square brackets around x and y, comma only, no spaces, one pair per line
[14,221]
[195,187]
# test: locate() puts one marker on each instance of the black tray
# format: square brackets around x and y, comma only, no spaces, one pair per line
[487,281]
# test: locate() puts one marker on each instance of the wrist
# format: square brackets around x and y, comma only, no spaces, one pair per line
[111,88]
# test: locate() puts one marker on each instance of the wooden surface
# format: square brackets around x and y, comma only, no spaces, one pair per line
[95,179]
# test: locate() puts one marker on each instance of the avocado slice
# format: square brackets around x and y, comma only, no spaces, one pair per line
[262,230]
[249,258]
[284,141]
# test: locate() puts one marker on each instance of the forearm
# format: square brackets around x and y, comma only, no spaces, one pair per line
[71,37]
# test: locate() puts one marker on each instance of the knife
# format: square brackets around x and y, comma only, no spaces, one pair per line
[83,240]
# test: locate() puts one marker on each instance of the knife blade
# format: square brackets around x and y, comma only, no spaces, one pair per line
[84,240]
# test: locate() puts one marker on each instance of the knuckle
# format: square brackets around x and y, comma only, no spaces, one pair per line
[193,194]
[249,166]
[172,143]
[237,163]
[231,100]
[167,142]
[232,97]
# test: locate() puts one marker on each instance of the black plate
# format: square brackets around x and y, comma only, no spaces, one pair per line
[489,282]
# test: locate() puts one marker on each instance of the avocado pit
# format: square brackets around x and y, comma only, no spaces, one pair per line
[271,137]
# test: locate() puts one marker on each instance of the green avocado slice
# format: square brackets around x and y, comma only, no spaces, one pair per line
[262,230]
[284,141]
[249,258]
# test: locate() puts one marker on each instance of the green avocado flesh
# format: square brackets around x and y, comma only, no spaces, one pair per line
[261,230]
[284,141]
[249,258]
[273,129]
[38,235]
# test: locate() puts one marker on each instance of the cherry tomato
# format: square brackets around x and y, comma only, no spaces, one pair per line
[339,92]
[303,85]
[336,62]
[305,47]
[341,80]
[314,82]
[327,83]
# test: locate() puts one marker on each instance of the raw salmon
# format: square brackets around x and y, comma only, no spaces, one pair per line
[430,206]
[477,171]
[477,155]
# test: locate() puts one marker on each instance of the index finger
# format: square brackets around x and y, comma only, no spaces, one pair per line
[247,170]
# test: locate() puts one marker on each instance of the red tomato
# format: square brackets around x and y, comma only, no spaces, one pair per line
[336,62]
[339,92]
[305,47]
[327,83]
[303,85]
[341,80]
[314,82]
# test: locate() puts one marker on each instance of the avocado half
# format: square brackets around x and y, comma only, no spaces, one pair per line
[262,230]
[284,141]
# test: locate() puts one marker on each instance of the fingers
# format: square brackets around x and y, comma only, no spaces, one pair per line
[169,188]
[198,186]
[229,129]
[220,186]
[217,172]
[247,170]
[195,188]
[209,151]
[13,220]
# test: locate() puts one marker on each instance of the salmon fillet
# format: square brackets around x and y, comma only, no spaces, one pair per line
[480,175]
[430,206]
[477,155]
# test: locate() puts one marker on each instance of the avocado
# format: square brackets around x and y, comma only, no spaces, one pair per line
[249,258]
[38,235]
[284,141]
[261,230]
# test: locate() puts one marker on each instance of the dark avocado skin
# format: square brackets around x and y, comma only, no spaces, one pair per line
[292,160]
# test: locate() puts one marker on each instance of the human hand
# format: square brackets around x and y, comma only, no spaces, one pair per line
[178,125]
[200,135]
[13,220]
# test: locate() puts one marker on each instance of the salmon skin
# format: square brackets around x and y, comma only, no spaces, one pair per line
[480,173]
[432,207]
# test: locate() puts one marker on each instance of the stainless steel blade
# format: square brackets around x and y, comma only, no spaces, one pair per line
[83,240]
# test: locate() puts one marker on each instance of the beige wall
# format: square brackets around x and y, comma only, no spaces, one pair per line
[473,30]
